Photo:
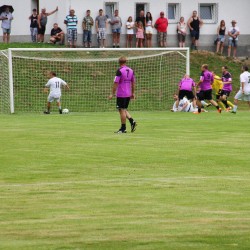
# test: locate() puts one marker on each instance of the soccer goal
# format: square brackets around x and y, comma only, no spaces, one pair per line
[90,74]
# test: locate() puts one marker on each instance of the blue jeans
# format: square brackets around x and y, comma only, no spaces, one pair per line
[87,36]
[33,32]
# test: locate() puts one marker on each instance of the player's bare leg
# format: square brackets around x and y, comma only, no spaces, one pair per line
[133,123]
[123,121]
[48,108]
[59,107]
[214,103]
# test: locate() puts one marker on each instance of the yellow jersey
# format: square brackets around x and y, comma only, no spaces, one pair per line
[217,84]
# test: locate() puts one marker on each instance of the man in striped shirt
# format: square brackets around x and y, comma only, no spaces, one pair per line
[71,22]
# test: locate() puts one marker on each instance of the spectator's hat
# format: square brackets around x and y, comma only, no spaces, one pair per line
[233,21]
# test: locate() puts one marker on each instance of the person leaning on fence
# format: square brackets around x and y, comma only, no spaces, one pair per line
[181,32]
[161,26]
[221,35]
[233,34]
[87,25]
[33,25]
[42,22]
[71,22]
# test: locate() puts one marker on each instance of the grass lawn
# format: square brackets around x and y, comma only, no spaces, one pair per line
[181,181]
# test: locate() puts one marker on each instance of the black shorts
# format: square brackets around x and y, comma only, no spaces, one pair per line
[41,31]
[205,95]
[187,93]
[195,34]
[122,102]
[225,92]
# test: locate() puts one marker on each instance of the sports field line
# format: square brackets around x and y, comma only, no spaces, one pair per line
[235,178]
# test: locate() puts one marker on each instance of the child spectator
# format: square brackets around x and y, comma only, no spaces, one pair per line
[139,35]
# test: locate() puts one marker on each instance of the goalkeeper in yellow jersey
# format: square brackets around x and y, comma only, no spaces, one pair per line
[217,87]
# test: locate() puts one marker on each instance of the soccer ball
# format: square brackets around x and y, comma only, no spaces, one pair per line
[65,111]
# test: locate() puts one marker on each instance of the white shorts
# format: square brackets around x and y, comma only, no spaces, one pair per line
[52,98]
[149,30]
[243,97]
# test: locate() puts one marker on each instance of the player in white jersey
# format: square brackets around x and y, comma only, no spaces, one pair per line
[184,105]
[244,92]
[54,87]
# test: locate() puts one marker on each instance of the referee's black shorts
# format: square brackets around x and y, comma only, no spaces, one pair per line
[122,102]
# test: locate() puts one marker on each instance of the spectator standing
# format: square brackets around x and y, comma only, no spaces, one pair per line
[56,34]
[181,32]
[130,32]
[87,25]
[233,34]
[71,22]
[116,24]
[139,35]
[42,22]
[33,25]
[141,18]
[149,29]
[6,18]
[101,27]
[221,35]
[195,23]
[161,26]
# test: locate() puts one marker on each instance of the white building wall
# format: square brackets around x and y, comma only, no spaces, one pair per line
[227,10]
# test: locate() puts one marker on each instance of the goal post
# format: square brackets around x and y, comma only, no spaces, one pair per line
[90,74]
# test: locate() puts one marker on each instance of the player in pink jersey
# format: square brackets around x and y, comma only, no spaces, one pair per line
[124,88]
[205,84]
[187,89]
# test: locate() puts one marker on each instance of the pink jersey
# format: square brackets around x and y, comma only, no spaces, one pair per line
[206,79]
[124,77]
[186,84]
[227,78]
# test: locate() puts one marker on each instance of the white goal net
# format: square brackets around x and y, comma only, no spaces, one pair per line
[89,74]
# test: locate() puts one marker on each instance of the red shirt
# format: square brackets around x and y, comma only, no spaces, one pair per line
[162,24]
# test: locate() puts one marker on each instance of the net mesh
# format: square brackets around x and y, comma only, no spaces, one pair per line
[90,76]
[4,83]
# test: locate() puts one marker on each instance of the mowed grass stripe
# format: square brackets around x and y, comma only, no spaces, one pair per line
[180,181]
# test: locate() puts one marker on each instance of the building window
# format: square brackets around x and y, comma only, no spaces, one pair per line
[173,12]
[141,6]
[209,12]
[110,8]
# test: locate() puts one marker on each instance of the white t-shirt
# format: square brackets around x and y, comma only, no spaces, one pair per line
[245,78]
[130,28]
[54,84]
[233,30]
[182,103]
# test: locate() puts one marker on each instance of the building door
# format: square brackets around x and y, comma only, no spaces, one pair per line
[139,7]
[35,5]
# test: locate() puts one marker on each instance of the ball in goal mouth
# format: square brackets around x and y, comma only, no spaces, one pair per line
[65,111]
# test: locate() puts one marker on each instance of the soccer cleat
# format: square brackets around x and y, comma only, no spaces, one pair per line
[233,112]
[219,110]
[133,126]
[228,109]
[46,112]
[120,131]
[196,113]
[208,105]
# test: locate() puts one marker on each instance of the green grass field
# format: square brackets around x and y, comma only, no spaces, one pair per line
[181,181]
